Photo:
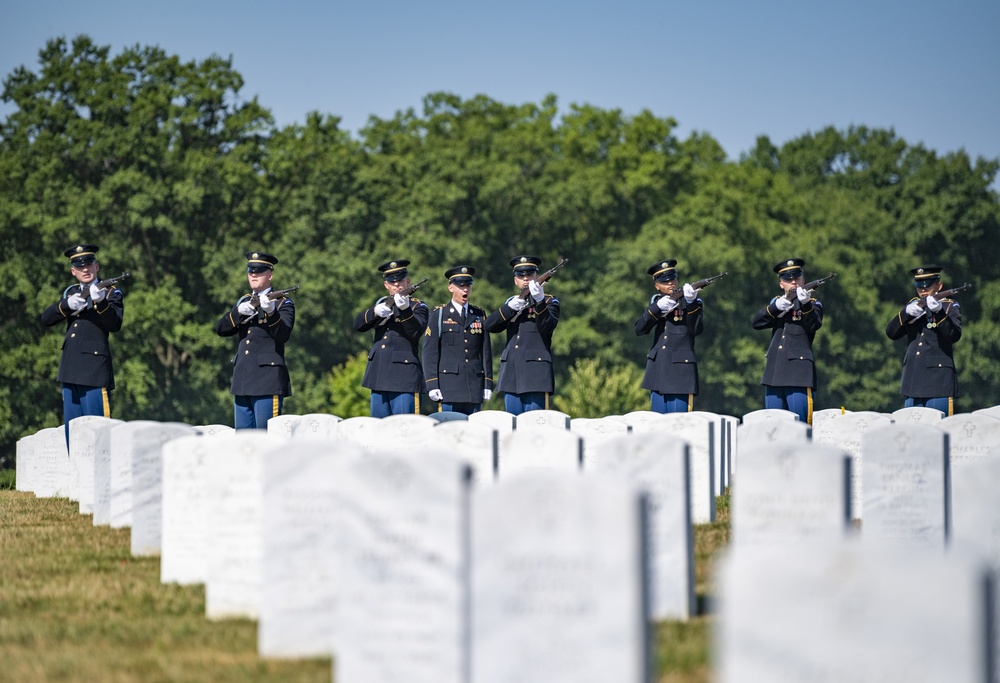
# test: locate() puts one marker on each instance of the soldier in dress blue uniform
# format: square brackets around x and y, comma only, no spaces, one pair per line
[260,378]
[671,364]
[793,317]
[526,375]
[457,357]
[393,372]
[931,330]
[91,313]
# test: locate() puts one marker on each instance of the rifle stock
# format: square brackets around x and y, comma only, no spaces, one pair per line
[810,286]
[406,291]
[699,284]
[102,284]
[943,294]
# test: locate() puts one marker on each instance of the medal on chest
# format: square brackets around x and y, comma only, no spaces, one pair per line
[476,327]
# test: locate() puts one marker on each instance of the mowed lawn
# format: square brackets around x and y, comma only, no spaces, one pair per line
[76,606]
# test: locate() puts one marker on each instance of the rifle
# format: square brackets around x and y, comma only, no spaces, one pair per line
[273,295]
[942,294]
[407,291]
[543,278]
[810,286]
[699,285]
[102,284]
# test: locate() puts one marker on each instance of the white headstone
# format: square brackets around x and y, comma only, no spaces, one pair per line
[719,448]
[542,418]
[790,492]
[500,420]
[769,414]
[597,430]
[402,611]
[24,468]
[638,418]
[845,432]
[821,417]
[316,426]
[283,425]
[90,440]
[79,451]
[234,478]
[539,449]
[119,473]
[848,612]
[478,445]
[558,581]
[147,484]
[764,433]
[992,411]
[299,588]
[363,431]
[184,534]
[972,438]
[661,472]
[906,476]
[51,475]
[218,430]
[404,428]
[917,415]
[697,431]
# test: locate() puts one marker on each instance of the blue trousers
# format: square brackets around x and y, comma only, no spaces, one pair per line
[515,404]
[799,400]
[386,403]
[253,412]
[79,400]
[670,403]
[464,408]
[946,404]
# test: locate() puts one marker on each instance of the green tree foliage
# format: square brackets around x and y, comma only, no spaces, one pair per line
[166,166]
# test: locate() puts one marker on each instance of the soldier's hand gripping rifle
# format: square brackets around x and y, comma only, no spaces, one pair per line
[103,284]
[699,285]
[273,295]
[941,294]
[790,295]
[525,292]
[407,291]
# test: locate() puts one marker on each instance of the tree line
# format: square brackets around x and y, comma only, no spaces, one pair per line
[175,175]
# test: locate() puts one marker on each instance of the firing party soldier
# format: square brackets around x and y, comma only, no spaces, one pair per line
[456,354]
[529,318]
[264,325]
[793,317]
[91,313]
[393,373]
[671,364]
[932,326]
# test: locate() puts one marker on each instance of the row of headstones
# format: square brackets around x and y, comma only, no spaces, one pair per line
[913,597]
[552,576]
[267,523]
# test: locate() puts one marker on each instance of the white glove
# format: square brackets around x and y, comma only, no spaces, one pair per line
[487,393]
[97,293]
[802,295]
[537,293]
[914,309]
[402,302]
[689,293]
[517,303]
[666,303]
[246,308]
[77,302]
[383,310]
[435,395]
[782,304]
[267,305]
[933,304]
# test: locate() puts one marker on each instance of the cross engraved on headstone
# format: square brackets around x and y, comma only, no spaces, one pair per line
[914,417]
[969,428]
[314,426]
[902,441]
[862,426]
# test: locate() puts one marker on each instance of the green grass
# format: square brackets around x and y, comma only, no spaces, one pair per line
[76,606]
[7,480]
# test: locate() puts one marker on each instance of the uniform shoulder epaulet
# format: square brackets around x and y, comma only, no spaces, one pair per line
[653,299]
[477,310]
[440,306]
[66,291]
[415,300]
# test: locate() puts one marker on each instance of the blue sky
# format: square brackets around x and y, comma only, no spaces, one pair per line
[734,69]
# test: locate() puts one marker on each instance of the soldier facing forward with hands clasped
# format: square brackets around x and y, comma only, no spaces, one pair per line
[793,317]
[264,325]
[457,356]
[676,316]
[931,326]
[91,312]
[393,373]
[526,375]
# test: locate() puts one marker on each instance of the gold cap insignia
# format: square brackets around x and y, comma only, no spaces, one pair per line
[465,270]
